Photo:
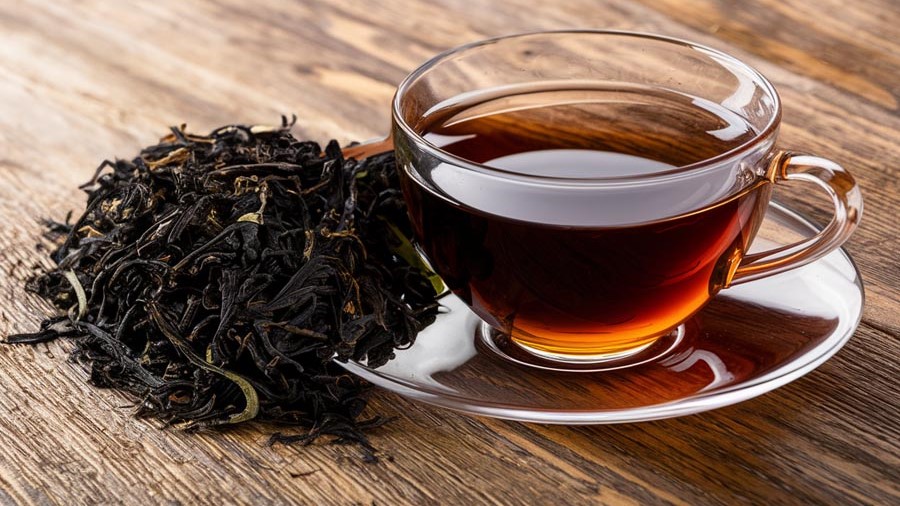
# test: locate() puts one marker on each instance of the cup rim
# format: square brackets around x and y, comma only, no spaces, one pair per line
[446,156]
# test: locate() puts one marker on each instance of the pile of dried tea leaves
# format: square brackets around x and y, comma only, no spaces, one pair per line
[217,277]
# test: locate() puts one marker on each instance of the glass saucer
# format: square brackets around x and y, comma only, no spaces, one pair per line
[748,340]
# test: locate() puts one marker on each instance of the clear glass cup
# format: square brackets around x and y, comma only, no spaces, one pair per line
[613,64]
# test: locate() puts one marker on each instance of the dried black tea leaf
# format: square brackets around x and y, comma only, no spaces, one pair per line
[218,276]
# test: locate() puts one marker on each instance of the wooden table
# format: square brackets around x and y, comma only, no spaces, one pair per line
[83,81]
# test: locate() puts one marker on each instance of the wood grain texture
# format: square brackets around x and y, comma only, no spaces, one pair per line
[85,80]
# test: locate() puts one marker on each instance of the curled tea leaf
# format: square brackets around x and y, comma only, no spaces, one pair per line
[81,297]
[251,398]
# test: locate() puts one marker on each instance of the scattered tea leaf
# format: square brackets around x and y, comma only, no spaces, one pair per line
[217,277]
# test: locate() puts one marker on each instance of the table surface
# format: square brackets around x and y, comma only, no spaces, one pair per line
[87,80]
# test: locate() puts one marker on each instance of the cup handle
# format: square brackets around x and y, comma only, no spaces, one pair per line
[848,206]
[369,148]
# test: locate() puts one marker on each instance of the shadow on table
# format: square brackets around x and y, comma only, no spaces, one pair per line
[779,448]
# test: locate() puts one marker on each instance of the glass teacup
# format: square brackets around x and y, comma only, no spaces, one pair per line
[586,192]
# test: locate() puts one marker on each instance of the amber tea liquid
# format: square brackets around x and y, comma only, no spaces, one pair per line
[587,281]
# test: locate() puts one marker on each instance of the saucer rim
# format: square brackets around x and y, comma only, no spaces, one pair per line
[692,404]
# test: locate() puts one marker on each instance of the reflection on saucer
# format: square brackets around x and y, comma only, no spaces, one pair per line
[432,354]
[685,360]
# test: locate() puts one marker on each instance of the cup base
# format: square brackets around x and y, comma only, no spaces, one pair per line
[501,344]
